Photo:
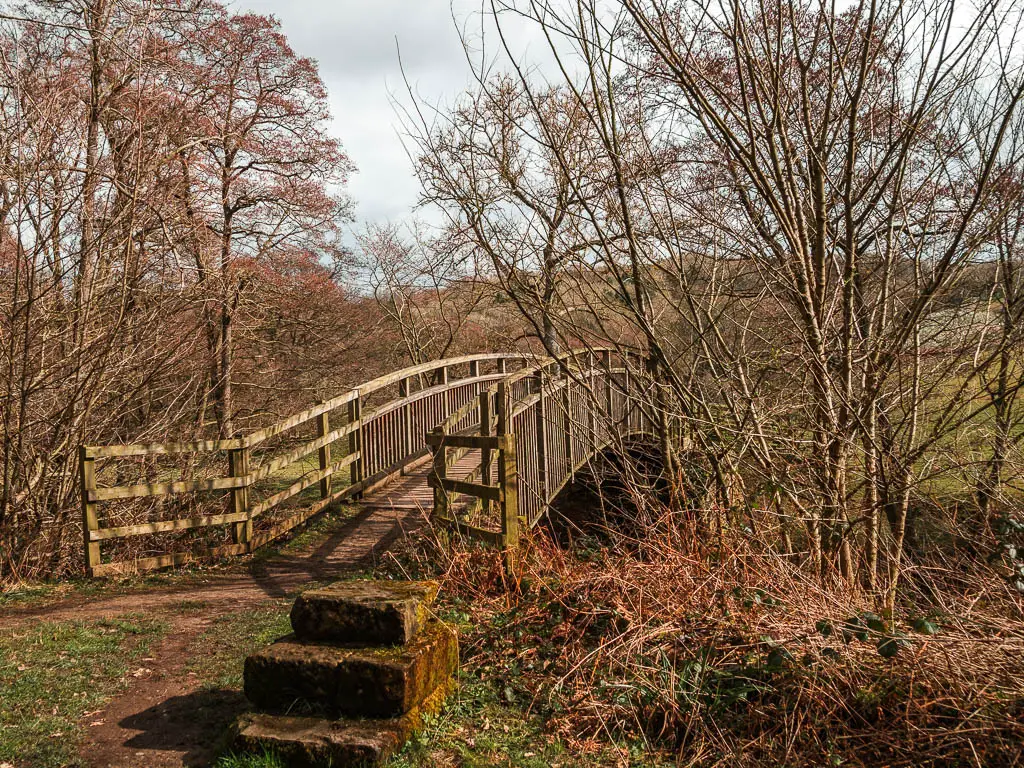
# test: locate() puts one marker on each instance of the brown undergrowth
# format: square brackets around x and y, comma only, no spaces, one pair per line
[734,655]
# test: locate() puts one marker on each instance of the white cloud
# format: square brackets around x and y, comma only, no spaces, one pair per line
[356,44]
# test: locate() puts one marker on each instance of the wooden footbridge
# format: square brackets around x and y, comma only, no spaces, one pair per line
[484,441]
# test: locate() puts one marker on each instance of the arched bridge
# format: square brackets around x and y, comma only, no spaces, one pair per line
[487,440]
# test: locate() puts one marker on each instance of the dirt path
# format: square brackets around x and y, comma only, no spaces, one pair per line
[165,719]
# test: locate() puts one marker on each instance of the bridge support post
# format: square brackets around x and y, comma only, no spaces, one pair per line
[508,475]
[508,480]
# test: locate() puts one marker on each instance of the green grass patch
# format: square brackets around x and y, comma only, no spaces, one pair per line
[53,673]
[265,760]
[218,654]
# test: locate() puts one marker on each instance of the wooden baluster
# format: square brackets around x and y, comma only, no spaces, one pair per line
[355,445]
[323,428]
[441,508]
[90,520]
[403,391]
[567,426]
[485,453]
[238,465]
[606,363]
[628,387]
[542,438]
[502,365]
[446,397]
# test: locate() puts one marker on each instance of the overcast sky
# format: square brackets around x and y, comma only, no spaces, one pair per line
[356,43]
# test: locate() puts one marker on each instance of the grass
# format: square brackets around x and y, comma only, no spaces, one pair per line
[218,654]
[53,674]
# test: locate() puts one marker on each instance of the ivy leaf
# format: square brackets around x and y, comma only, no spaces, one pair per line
[890,645]
[925,627]
[854,628]
[874,622]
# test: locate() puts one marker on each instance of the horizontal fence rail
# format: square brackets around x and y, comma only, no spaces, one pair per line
[342,448]
[532,431]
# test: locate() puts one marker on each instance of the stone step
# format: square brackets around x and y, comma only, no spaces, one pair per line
[363,612]
[312,742]
[295,676]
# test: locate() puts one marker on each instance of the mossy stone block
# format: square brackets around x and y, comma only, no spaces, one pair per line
[363,612]
[310,742]
[291,675]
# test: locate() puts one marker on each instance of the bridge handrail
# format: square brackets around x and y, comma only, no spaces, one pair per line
[554,428]
[240,478]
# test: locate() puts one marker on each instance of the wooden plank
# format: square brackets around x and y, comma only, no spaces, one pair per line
[302,451]
[300,485]
[477,490]
[463,441]
[472,532]
[90,521]
[126,567]
[163,526]
[151,449]
[302,417]
[163,489]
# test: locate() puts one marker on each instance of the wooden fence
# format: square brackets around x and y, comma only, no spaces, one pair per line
[532,431]
[374,431]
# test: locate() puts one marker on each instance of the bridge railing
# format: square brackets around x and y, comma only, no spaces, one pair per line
[336,449]
[531,431]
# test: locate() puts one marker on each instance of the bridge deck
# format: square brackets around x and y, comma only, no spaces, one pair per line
[411,492]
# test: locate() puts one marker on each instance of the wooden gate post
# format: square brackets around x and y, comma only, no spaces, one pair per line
[238,466]
[90,522]
[323,429]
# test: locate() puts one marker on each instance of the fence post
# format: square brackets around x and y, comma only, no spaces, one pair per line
[323,428]
[238,466]
[355,441]
[440,472]
[90,522]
